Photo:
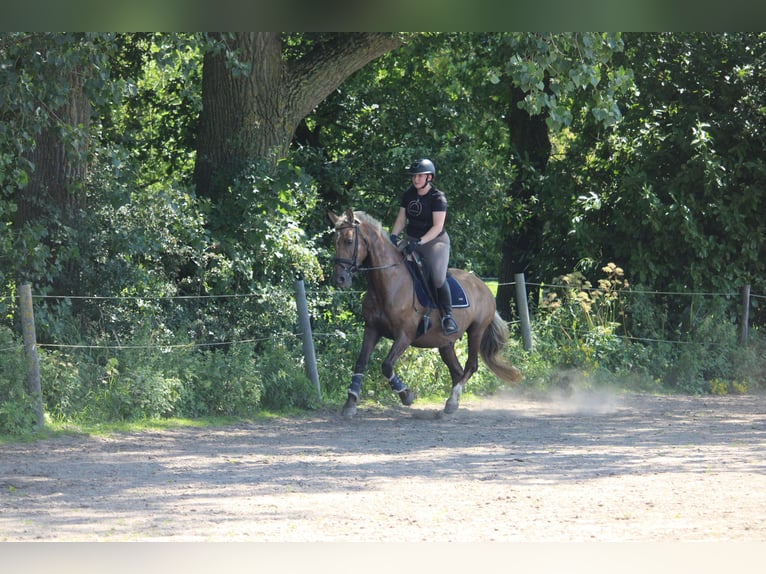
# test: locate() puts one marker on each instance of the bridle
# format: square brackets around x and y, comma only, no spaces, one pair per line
[352,265]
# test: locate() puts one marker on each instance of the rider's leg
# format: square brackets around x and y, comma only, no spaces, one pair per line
[439,260]
[449,326]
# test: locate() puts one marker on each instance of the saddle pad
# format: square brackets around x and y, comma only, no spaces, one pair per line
[459,297]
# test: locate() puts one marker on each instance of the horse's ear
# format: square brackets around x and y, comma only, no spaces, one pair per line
[350,216]
[332,217]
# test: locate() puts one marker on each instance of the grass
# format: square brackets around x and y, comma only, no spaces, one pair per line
[55,428]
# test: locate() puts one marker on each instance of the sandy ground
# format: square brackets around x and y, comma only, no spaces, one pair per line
[592,467]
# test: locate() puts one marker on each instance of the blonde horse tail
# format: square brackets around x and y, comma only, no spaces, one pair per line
[493,343]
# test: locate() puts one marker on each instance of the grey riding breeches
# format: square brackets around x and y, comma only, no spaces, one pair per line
[436,254]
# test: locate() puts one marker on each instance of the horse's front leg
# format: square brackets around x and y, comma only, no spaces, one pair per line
[405,394]
[371,338]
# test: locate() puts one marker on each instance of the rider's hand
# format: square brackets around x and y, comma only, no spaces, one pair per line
[412,245]
[394,239]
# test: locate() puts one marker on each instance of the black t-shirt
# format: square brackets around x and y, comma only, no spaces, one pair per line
[420,209]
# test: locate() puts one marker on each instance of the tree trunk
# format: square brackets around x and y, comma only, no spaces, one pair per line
[55,194]
[531,150]
[237,123]
[251,110]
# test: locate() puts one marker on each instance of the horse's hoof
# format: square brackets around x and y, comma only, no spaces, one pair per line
[407,397]
[454,400]
[349,409]
[450,407]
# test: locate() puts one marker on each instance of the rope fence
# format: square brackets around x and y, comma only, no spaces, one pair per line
[298,334]
[362,291]
[30,344]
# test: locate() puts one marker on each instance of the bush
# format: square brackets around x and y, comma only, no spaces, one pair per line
[284,381]
[577,323]
[219,382]
[637,341]
[17,413]
[711,357]
[66,384]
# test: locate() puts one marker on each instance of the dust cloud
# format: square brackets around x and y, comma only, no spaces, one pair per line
[570,393]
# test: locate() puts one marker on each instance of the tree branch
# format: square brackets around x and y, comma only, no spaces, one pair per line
[315,76]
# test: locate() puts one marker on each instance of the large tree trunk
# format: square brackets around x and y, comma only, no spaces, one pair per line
[239,120]
[531,149]
[251,110]
[55,194]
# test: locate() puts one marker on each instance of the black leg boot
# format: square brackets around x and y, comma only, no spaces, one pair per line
[449,326]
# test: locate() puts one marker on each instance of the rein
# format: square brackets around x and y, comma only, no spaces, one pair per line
[379,267]
[352,265]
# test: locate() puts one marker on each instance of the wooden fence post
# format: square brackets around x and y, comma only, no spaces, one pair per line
[523,308]
[308,341]
[34,388]
[744,327]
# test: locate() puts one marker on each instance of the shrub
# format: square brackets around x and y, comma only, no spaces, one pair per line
[17,414]
[284,381]
[577,323]
[638,340]
[220,382]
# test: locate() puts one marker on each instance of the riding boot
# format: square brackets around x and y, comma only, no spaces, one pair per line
[449,326]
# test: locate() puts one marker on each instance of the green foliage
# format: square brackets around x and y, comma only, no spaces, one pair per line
[691,135]
[552,68]
[220,382]
[582,320]
[17,414]
[601,335]
[140,391]
[711,352]
[151,382]
[657,147]
[283,377]
[149,133]
[45,79]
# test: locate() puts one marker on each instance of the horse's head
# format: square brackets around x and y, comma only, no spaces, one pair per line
[350,248]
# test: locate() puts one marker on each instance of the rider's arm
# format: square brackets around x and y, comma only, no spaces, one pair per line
[401,220]
[436,228]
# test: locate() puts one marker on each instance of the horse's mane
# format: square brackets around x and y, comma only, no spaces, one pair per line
[363,217]
[369,219]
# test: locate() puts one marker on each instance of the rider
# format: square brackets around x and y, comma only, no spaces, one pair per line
[423,209]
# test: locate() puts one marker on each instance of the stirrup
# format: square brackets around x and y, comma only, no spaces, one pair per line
[449,326]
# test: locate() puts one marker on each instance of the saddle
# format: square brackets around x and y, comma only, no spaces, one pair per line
[421,277]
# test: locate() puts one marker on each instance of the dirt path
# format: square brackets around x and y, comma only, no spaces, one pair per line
[596,467]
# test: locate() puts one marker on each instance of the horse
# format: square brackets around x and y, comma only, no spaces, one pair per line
[391,309]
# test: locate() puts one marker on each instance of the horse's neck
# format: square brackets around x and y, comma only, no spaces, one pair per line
[380,252]
[388,271]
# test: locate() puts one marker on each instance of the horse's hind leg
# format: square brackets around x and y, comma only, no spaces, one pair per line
[460,375]
[450,359]
[456,374]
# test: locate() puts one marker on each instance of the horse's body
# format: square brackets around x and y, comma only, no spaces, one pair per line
[391,309]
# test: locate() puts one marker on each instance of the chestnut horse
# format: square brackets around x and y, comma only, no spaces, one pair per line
[391,309]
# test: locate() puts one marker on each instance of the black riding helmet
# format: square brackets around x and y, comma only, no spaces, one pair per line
[422,166]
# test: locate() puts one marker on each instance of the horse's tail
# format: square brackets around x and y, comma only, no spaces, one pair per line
[493,342]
